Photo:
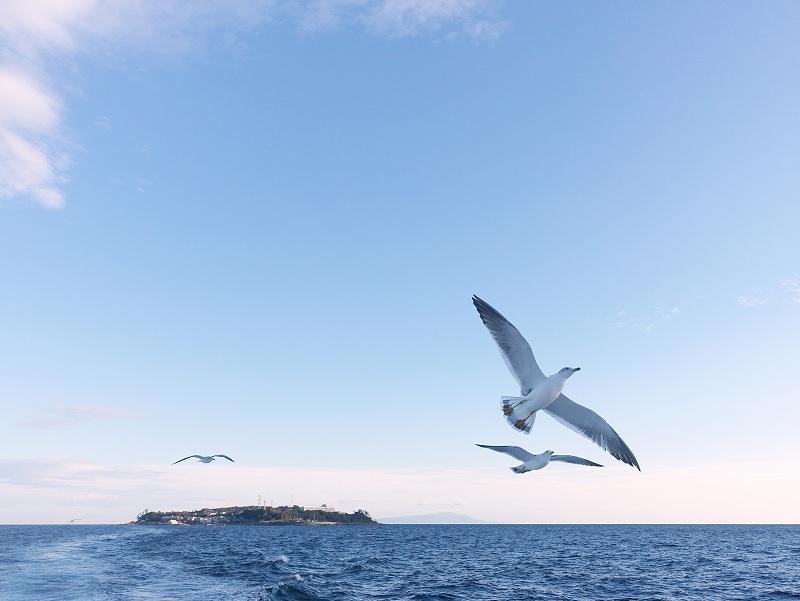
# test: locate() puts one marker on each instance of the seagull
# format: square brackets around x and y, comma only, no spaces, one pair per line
[544,393]
[536,462]
[203,458]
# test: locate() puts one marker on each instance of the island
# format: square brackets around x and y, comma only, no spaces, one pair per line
[255,515]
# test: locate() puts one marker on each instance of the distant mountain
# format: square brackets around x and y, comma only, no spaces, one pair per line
[433,518]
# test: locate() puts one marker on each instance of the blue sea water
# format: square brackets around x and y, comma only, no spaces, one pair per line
[399,562]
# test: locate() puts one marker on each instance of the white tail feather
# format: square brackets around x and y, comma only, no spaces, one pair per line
[509,404]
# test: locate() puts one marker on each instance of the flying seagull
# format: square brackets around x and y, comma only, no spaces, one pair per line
[539,392]
[203,458]
[536,462]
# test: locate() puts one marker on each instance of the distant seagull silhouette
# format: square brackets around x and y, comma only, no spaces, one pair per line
[204,458]
[536,462]
[544,393]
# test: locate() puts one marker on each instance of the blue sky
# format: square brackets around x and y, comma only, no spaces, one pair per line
[254,228]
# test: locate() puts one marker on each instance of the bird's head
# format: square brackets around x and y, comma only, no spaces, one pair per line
[568,371]
[548,452]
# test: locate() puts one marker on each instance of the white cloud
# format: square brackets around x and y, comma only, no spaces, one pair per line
[61,416]
[408,17]
[29,28]
[32,491]
[38,36]
[788,291]
[754,300]
[400,18]
[486,30]
[792,289]
[31,161]
[646,320]
[103,123]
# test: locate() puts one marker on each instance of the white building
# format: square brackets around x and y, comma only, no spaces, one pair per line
[322,507]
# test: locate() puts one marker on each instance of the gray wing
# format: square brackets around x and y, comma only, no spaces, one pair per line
[515,452]
[515,350]
[189,457]
[587,423]
[225,456]
[573,459]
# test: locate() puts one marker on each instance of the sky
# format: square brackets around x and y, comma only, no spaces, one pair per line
[254,228]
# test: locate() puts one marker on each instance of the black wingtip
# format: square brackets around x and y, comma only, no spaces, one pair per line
[630,460]
[487,311]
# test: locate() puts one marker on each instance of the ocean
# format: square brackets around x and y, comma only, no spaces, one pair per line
[399,562]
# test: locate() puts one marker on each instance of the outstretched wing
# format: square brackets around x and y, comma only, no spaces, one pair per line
[225,456]
[515,350]
[573,459]
[189,457]
[587,423]
[515,452]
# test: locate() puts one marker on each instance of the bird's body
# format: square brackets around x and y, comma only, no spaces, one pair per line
[541,393]
[203,458]
[521,411]
[531,462]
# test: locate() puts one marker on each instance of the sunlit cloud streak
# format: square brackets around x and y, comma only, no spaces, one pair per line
[53,490]
[62,416]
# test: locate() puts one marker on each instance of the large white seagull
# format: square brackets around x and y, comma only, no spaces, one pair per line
[540,392]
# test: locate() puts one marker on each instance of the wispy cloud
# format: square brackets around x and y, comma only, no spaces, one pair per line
[51,490]
[407,17]
[646,320]
[39,36]
[401,18]
[32,160]
[62,416]
[103,123]
[791,289]
[143,185]
[755,298]
[786,290]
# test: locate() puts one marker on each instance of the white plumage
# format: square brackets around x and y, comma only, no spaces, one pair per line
[532,462]
[541,393]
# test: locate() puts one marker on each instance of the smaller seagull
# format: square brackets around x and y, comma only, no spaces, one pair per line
[204,458]
[536,462]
